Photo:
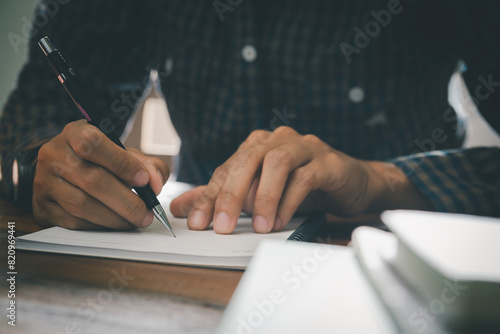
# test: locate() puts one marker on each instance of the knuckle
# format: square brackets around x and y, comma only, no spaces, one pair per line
[184,210]
[257,136]
[80,145]
[305,177]
[278,157]
[85,140]
[92,179]
[91,131]
[312,139]
[203,201]
[43,154]
[332,158]
[206,198]
[229,196]
[218,177]
[284,130]
[134,208]
[76,203]
[208,194]
[92,134]
[245,157]
[70,128]
[122,167]
[266,197]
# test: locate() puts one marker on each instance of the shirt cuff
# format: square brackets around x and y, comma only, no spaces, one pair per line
[456,180]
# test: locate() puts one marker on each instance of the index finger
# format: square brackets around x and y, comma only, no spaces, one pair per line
[202,205]
[90,144]
[240,176]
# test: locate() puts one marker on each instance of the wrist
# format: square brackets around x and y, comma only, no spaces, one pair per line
[390,189]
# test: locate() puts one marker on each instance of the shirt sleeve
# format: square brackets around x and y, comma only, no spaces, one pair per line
[459,181]
[94,37]
[467,180]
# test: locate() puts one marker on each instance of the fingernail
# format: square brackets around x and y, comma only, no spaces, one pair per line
[222,223]
[278,224]
[147,220]
[141,178]
[197,220]
[260,224]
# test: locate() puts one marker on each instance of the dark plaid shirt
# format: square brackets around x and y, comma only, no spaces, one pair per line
[369,78]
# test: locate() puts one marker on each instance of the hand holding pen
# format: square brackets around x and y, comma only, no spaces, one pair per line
[83,176]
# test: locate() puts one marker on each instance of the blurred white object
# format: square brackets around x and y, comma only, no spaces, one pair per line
[478,131]
[451,261]
[305,288]
[158,135]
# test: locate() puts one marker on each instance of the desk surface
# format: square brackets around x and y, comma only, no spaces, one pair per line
[74,294]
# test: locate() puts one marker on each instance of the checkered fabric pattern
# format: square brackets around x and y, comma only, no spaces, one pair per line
[370,78]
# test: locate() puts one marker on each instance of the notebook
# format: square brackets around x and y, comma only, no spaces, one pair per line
[156,244]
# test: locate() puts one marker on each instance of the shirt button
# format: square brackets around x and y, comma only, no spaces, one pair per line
[356,94]
[249,53]
[169,65]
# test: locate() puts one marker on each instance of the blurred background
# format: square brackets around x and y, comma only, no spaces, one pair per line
[12,56]
[161,139]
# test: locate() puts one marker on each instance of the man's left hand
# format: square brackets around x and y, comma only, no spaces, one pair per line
[274,174]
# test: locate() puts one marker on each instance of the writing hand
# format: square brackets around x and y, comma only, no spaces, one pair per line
[83,181]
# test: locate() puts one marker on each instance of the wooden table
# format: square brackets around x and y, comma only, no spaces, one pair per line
[76,294]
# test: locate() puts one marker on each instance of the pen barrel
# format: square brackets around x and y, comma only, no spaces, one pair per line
[58,63]
[148,196]
[87,107]
[113,137]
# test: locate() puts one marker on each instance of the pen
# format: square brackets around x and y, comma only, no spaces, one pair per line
[67,77]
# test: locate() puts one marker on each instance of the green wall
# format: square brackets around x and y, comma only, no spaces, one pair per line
[14,15]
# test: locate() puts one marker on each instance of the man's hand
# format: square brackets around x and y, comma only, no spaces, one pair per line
[83,181]
[274,174]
